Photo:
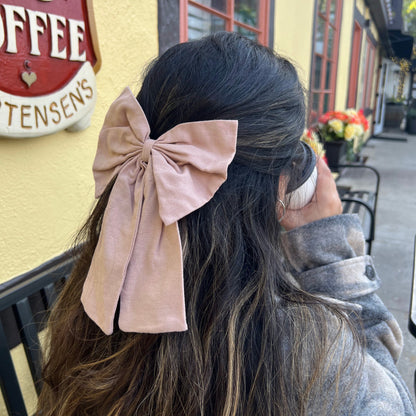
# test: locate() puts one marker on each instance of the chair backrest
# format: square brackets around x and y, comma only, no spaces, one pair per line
[24,305]
[412,309]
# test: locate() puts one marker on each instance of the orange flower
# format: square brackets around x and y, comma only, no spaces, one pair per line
[364,121]
[340,116]
[342,125]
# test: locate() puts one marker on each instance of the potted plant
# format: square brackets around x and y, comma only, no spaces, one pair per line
[343,134]
[394,112]
[411,120]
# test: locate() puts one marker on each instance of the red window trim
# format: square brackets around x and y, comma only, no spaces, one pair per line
[355,65]
[325,59]
[369,73]
[262,31]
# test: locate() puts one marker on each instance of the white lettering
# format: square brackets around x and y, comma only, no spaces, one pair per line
[76,37]
[55,35]
[12,25]
[35,29]
[63,41]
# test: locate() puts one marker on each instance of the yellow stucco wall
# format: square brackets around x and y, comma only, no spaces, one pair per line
[297,44]
[344,55]
[360,4]
[293,33]
[366,12]
[46,185]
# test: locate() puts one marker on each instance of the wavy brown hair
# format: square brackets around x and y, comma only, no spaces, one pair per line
[257,344]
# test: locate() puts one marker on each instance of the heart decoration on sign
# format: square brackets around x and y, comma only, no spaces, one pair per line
[29,77]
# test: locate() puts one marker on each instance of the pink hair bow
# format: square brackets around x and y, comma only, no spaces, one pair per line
[138,258]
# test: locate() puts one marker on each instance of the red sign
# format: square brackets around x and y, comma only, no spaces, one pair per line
[48,57]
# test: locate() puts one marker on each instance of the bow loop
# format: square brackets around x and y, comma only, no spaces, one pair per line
[194,157]
[121,138]
[138,258]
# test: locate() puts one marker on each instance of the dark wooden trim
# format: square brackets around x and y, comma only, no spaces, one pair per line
[272,11]
[361,21]
[371,37]
[168,23]
[367,111]
[359,17]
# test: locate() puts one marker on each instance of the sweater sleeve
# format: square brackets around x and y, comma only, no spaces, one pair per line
[327,258]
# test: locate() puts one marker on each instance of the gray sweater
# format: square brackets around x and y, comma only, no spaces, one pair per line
[328,258]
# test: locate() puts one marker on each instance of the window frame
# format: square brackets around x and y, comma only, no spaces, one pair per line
[355,65]
[321,90]
[369,75]
[262,31]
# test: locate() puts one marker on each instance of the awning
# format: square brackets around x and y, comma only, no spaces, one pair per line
[387,17]
[402,44]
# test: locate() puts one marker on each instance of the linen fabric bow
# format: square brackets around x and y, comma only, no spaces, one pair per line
[138,258]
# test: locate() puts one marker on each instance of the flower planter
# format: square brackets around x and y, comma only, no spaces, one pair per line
[394,115]
[335,153]
[342,133]
[411,125]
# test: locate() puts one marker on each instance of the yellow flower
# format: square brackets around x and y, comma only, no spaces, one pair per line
[351,112]
[349,132]
[311,138]
[336,125]
[359,130]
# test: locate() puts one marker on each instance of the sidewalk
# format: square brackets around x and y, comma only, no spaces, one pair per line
[394,156]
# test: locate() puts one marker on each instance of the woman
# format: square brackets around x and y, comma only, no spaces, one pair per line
[281,316]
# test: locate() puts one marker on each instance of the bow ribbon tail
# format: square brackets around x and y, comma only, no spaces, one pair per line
[152,299]
[109,265]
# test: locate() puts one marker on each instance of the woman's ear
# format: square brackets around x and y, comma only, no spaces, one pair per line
[283,182]
[281,204]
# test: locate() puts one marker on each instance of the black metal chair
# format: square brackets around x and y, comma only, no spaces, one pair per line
[412,310]
[24,305]
[355,201]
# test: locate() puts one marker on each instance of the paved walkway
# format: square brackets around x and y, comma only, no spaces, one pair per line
[394,155]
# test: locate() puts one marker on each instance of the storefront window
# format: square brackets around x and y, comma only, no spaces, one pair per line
[368,79]
[355,64]
[325,57]
[248,17]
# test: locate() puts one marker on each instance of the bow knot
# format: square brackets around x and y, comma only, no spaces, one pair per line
[146,150]
[137,262]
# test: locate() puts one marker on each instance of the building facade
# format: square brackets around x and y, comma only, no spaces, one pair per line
[342,49]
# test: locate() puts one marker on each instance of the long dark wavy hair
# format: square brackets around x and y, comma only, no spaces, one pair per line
[257,344]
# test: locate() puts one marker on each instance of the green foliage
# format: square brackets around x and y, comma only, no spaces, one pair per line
[411,112]
[395,100]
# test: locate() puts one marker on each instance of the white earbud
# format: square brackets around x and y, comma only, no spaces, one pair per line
[303,195]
